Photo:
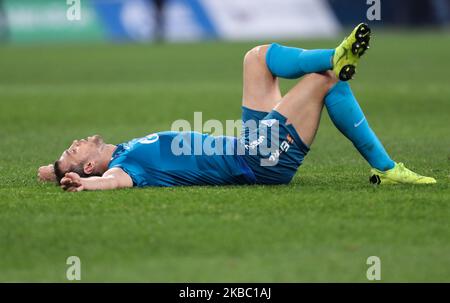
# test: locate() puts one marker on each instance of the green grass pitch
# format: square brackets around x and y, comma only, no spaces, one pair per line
[321,227]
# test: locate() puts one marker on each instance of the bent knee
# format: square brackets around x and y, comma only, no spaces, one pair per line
[256,55]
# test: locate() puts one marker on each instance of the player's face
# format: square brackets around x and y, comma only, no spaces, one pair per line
[81,151]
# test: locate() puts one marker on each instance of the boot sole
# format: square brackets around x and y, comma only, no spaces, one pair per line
[359,47]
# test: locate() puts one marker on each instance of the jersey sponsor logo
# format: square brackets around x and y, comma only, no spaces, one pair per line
[254,144]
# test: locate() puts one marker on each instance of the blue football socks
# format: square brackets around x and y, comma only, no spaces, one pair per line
[292,62]
[348,117]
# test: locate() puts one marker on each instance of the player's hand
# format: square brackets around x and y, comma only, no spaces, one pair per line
[46,173]
[72,182]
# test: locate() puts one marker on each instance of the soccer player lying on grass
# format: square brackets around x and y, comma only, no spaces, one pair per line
[90,164]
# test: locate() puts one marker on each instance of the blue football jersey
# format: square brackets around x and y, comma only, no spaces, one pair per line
[182,158]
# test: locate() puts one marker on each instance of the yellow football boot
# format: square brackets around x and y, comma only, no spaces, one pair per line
[348,53]
[399,174]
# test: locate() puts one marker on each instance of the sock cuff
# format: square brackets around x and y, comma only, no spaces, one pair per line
[337,92]
[269,57]
[339,87]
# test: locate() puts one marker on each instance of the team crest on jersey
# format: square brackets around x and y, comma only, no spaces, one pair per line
[152,138]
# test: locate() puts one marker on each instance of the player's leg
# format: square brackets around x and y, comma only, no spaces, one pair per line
[261,91]
[348,117]
[302,105]
[265,63]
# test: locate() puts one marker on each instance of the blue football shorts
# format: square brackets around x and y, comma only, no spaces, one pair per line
[273,149]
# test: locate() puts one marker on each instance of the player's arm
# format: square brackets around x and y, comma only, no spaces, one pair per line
[47,173]
[111,179]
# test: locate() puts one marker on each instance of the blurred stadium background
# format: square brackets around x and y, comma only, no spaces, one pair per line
[130,67]
[191,20]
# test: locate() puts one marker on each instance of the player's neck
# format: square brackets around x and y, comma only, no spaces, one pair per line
[106,156]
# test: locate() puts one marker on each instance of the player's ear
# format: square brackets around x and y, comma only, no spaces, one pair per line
[88,167]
